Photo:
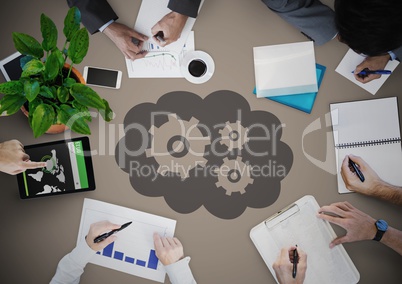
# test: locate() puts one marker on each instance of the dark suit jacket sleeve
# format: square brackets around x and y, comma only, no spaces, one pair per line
[185,7]
[94,13]
[398,53]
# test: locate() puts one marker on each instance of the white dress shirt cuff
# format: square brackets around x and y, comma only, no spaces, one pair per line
[180,272]
[102,28]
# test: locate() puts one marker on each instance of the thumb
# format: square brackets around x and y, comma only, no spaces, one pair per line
[338,241]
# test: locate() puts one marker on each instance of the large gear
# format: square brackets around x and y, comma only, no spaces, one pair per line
[234,175]
[234,135]
[178,146]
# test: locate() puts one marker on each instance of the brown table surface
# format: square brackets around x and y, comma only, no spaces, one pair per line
[36,234]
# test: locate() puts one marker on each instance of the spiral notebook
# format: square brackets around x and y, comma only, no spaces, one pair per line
[369,129]
[298,225]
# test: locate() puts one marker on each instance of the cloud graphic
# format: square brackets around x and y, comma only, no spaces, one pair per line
[213,152]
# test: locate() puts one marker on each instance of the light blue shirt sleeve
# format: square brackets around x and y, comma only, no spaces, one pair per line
[180,272]
[392,55]
[102,28]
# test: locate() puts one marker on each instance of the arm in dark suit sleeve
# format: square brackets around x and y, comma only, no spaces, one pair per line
[94,13]
[398,53]
[185,7]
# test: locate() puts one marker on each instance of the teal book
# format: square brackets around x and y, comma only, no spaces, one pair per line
[303,102]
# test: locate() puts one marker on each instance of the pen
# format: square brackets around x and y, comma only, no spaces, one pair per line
[108,234]
[159,36]
[295,261]
[356,170]
[368,72]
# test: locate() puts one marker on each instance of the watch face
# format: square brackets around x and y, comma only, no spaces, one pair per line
[381,225]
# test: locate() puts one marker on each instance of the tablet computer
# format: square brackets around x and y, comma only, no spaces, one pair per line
[11,66]
[68,169]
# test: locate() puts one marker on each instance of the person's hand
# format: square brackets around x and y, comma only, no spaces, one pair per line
[170,26]
[168,250]
[283,266]
[97,229]
[358,225]
[122,36]
[371,63]
[352,181]
[14,160]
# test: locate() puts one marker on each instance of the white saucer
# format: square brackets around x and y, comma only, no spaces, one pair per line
[194,55]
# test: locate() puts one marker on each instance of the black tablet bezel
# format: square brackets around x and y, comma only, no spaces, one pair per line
[88,164]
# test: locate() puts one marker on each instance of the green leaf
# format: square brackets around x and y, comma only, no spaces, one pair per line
[63,94]
[32,106]
[49,33]
[86,96]
[52,67]
[31,89]
[27,45]
[46,92]
[12,88]
[32,67]
[83,109]
[69,82]
[73,119]
[24,60]
[10,104]
[78,46]
[42,119]
[72,22]
[106,113]
[59,56]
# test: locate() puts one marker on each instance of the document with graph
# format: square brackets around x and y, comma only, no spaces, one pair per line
[159,63]
[298,225]
[133,252]
[368,129]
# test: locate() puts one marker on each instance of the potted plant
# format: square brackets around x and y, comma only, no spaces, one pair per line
[47,86]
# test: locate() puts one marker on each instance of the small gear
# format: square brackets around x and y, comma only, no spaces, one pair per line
[178,146]
[234,175]
[234,135]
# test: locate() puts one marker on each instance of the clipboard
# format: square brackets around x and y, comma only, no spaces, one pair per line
[297,224]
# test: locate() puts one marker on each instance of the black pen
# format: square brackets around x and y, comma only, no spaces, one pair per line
[356,170]
[108,234]
[295,261]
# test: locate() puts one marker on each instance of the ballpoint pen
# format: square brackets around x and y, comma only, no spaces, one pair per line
[356,170]
[108,234]
[368,72]
[295,261]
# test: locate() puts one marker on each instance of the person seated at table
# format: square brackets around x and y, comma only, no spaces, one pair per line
[283,266]
[373,185]
[168,250]
[359,226]
[14,160]
[98,15]
[369,27]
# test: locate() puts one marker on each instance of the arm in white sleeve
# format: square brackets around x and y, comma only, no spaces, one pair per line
[180,272]
[71,266]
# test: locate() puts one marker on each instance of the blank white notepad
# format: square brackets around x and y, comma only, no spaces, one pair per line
[285,69]
[369,129]
[298,225]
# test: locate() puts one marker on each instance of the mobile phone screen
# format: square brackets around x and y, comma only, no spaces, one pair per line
[102,77]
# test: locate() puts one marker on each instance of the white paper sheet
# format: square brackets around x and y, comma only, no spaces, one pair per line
[349,63]
[285,69]
[159,64]
[133,251]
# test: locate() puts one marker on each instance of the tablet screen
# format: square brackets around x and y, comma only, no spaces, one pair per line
[11,66]
[68,169]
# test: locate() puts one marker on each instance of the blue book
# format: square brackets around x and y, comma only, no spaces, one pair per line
[303,102]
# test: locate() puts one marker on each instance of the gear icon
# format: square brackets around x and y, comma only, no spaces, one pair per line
[234,135]
[234,175]
[178,146]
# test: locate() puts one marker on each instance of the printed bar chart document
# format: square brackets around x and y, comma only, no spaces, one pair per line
[133,252]
[368,129]
[349,63]
[298,225]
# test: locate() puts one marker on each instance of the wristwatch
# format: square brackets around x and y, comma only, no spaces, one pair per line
[382,227]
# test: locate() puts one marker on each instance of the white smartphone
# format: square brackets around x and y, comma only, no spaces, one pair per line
[102,77]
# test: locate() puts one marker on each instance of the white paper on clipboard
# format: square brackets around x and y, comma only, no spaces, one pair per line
[298,225]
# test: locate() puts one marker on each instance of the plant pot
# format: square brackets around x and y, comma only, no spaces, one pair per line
[59,128]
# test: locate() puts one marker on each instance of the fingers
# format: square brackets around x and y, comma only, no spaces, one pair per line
[338,241]
[33,165]
[157,241]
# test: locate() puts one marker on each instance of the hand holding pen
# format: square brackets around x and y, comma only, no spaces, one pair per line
[372,68]
[96,230]
[287,270]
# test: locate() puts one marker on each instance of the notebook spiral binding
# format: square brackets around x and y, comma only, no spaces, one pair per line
[368,143]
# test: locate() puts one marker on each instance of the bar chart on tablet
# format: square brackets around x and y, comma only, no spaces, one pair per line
[133,251]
